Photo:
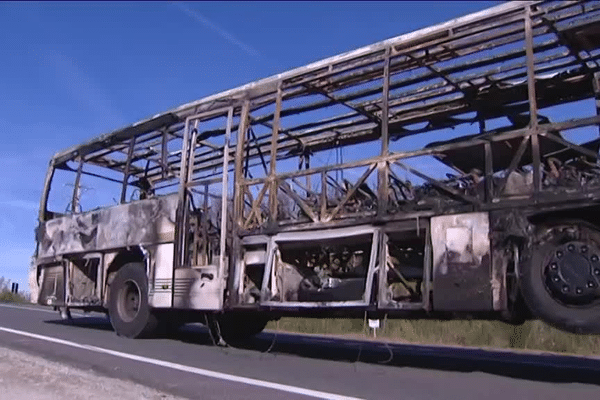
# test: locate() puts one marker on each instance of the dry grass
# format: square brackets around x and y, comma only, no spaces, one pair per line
[533,335]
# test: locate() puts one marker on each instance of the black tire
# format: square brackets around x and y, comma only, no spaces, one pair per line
[168,325]
[237,328]
[131,318]
[543,303]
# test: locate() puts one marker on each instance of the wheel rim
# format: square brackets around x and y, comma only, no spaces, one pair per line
[572,273]
[129,301]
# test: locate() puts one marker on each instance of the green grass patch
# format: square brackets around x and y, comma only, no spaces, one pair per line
[533,335]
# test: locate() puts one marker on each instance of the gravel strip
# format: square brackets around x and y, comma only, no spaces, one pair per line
[23,376]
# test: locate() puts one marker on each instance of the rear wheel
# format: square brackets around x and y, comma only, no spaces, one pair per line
[168,324]
[129,311]
[561,281]
[236,327]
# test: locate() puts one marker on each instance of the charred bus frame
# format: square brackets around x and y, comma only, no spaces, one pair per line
[509,61]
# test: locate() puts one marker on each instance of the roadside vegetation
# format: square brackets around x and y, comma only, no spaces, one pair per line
[531,336]
[6,296]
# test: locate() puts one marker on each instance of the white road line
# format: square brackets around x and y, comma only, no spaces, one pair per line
[42,310]
[185,368]
[28,308]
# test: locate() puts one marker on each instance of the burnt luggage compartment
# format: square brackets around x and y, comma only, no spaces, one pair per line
[462,271]
[332,267]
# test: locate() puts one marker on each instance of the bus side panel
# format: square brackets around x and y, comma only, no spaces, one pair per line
[144,222]
[52,286]
[160,282]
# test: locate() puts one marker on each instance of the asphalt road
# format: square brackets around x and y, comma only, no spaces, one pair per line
[296,366]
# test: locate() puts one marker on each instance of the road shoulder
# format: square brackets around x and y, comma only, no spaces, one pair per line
[24,376]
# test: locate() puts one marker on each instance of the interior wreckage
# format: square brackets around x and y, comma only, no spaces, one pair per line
[471,187]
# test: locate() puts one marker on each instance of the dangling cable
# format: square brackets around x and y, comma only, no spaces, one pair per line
[274,340]
[357,357]
[222,342]
[215,323]
[210,333]
[389,348]
[387,345]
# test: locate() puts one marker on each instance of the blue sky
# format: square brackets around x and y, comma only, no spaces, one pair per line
[72,71]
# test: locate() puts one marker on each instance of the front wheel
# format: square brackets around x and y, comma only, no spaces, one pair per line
[561,280]
[129,311]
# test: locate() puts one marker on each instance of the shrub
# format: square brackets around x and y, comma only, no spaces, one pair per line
[6,296]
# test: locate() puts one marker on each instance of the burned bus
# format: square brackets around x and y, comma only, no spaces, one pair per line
[446,173]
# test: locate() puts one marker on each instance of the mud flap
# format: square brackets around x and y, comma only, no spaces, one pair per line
[462,270]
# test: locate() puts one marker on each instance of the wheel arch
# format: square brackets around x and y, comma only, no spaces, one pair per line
[589,214]
[123,257]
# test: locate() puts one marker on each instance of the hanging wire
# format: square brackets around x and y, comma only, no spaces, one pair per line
[389,348]
[274,340]
[221,343]
[209,330]
[387,345]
